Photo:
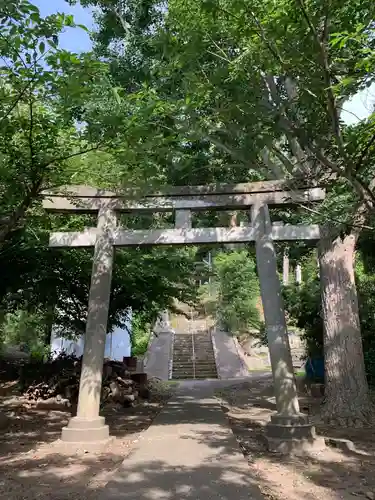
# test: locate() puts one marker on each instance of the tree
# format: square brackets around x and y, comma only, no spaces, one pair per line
[45,93]
[264,86]
[62,122]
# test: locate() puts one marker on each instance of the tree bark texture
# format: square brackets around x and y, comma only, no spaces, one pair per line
[347,398]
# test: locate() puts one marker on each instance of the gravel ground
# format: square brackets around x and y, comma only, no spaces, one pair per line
[328,475]
[35,464]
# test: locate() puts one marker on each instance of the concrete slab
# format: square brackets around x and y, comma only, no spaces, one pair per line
[228,361]
[158,356]
[189,452]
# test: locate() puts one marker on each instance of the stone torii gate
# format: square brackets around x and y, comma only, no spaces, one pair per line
[288,425]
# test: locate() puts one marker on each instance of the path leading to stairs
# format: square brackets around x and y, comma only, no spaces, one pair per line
[189,452]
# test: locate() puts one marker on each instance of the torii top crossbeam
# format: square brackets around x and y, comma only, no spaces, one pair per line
[86,199]
[182,201]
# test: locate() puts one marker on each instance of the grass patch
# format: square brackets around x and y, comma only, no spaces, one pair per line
[265,369]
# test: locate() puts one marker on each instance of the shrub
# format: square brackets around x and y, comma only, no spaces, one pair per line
[141,333]
[303,305]
[238,291]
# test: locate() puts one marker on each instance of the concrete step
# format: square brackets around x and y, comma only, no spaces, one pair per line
[204,360]
[203,365]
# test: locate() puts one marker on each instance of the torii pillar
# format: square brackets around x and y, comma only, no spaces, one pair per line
[289,429]
[88,426]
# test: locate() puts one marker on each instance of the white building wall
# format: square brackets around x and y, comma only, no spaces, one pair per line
[117,345]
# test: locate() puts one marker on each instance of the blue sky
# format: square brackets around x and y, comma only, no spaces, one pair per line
[360,106]
[74,39]
[77,40]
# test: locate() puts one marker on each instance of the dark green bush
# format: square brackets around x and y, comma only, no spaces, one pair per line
[141,333]
[303,305]
[238,291]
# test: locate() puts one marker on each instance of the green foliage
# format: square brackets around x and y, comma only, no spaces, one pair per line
[369,355]
[303,305]
[244,91]
[24,329]
[238,291]
[63,121]
[141,333]
[366,297]
[45,92]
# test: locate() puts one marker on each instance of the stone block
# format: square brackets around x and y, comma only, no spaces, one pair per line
[290,431]
[289,420]
[341,444]
[82,430]
[295,446]
[292,434]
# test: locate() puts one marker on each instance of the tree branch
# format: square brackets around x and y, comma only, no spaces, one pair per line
[15,50]
[71,155]
[9,224]
[333,219]
[263,37]
[30,135]
[271,165]
[362,190]
[219,56]
[288,164]
[331,104]
[14,104]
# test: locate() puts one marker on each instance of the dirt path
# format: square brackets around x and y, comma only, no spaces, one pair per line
[34,464]
[328,475]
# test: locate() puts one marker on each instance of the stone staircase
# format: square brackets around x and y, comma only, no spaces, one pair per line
[193,356]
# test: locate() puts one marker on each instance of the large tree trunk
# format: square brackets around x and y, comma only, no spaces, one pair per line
[347,398]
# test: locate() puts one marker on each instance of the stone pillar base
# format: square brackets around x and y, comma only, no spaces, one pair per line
[292,434]
[82,430]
